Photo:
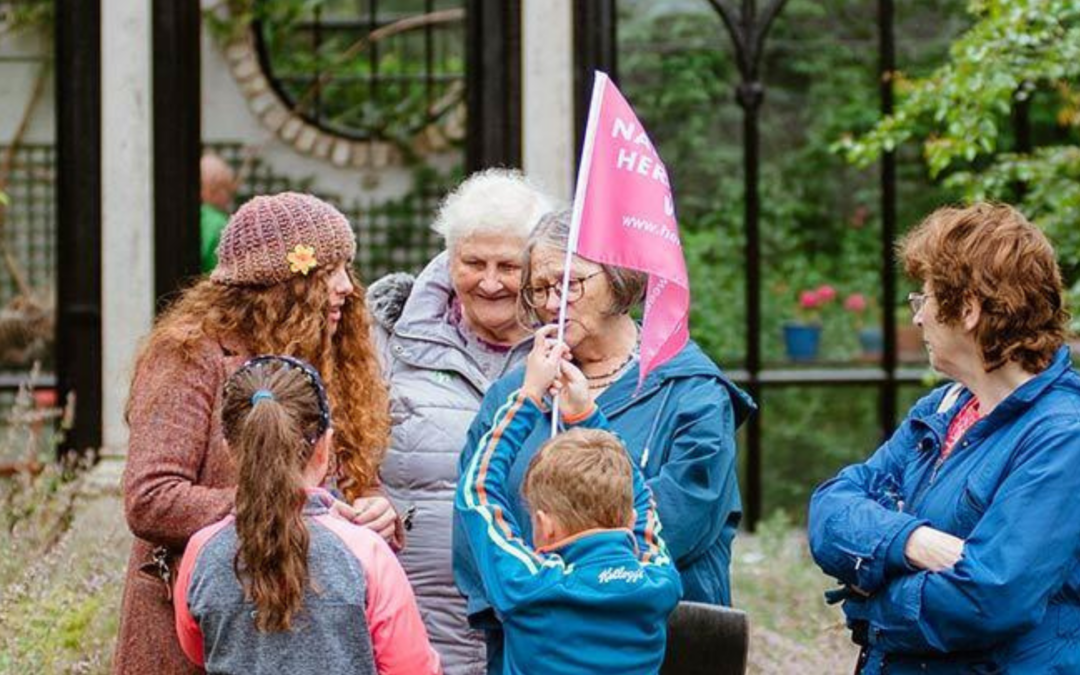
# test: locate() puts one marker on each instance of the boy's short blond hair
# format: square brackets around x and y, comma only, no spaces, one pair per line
[582,478]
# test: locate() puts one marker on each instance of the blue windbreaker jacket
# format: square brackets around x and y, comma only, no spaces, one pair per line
[1010,489]
[680,430]
[595,602]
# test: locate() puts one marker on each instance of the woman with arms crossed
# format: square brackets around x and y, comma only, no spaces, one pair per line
[958,541]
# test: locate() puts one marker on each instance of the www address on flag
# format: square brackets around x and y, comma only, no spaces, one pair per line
[645,225]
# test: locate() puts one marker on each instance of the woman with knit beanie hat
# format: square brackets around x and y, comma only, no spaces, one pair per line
[283,285]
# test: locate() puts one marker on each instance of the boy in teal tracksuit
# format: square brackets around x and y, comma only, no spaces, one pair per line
[595,593]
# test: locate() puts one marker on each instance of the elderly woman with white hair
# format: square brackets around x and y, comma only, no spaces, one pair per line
[445,336]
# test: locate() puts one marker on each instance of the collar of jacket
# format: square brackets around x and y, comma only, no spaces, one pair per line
[319,502]
[1014,404]
[423,316]
[593,545]
[691,361]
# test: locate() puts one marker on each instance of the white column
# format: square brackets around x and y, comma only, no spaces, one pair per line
[548,94]
[127,235]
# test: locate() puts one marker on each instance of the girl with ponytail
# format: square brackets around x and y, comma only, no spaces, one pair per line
[283,584]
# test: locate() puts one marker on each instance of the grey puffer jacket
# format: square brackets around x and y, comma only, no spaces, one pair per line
[436,385]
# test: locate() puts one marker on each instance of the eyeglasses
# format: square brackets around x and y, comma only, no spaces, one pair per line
[537,296]
[312,376]
[917,301]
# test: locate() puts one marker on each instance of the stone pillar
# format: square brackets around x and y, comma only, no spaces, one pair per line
[548,94]
[127,240]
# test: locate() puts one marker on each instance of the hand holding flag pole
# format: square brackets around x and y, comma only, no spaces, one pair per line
[624,215]
[575,220]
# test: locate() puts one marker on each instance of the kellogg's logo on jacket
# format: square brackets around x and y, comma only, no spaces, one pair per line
[620,573]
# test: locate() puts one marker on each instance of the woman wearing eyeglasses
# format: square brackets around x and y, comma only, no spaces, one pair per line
[679,428]
[957,543]
[283,284]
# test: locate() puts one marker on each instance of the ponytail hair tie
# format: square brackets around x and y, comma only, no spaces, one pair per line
[262,395]
[306,368]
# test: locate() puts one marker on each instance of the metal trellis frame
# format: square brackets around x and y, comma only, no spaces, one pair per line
[748,27]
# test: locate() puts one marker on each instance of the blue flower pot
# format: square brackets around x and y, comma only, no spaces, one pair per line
[802,341]
[872,342]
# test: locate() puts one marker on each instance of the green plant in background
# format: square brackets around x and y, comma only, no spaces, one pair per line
[370,84]
[22,15]
[819,215]
[62,572]
[1017,53]
[64,546]
[820,220]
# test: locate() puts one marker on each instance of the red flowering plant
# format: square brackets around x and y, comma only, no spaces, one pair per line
[865,320]
[858,305]
[814,302]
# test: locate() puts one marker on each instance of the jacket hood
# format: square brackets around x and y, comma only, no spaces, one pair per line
[402,303]
[939,409]
[425,313]
[691,361]
[386,298]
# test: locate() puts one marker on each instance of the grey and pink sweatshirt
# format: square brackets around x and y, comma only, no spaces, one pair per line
[359,614]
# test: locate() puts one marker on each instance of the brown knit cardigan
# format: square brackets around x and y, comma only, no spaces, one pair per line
[178,479]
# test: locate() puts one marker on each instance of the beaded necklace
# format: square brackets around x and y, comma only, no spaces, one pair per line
[604,380]
[601,381]
[616,370]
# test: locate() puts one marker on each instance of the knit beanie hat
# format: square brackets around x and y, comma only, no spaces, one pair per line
[273,238]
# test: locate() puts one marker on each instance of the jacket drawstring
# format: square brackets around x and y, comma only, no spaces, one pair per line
[652,431]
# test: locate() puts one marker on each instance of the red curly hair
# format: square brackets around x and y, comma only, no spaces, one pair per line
[290,318]
[992,254]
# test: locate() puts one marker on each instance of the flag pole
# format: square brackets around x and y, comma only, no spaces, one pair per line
[600,80]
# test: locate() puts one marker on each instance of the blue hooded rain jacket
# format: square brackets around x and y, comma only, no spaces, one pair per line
[596,601]
[680,430]
[1011,490]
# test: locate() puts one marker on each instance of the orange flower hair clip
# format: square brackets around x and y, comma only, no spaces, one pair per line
[302,259]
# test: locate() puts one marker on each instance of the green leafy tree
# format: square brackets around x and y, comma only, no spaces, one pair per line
[1017,53]
[820,221]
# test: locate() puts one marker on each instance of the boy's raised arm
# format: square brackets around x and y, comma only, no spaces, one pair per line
[507,565]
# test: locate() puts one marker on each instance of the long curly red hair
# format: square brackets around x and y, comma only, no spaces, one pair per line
[290,318]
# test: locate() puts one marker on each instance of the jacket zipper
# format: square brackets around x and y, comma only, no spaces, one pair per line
[937,467]
[925,487]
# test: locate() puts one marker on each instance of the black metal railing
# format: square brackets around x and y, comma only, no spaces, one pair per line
[328,68]
[745,25]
